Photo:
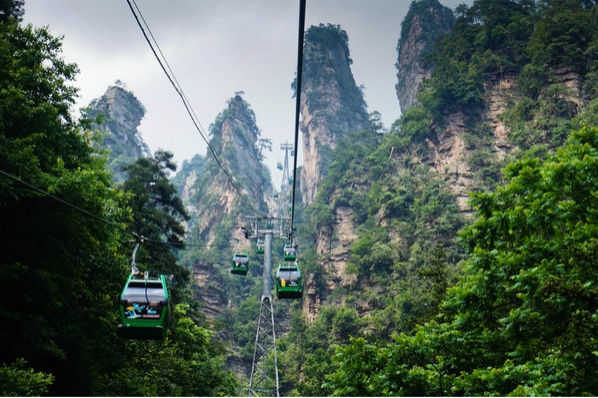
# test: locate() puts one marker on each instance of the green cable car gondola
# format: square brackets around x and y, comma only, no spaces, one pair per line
[289,284]
[144,308]
[290,253]
[240,263]
[260,247]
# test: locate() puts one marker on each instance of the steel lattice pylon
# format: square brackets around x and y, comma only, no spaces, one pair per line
[264,355]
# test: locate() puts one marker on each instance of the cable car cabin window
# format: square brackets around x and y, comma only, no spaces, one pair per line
[260,247]
[241,260]
[290,254]
[288,278]
[142,301]
[240,264]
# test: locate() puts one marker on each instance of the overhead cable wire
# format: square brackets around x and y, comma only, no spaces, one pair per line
[298,100]
[185,99]
[89,214]
[171,77]
[64,202]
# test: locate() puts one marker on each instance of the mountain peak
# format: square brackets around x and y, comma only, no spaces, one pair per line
[424,22]
[331,102]
[120,114]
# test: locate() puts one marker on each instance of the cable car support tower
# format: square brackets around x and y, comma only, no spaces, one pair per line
[262,382]
[264,369]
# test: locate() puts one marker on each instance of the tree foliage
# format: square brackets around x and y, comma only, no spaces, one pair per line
[157,211]
[189,363]
[16,380]
[67,258]
[62,267]
[11,9]
[522,319]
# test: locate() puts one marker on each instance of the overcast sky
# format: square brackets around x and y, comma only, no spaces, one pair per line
[215,49]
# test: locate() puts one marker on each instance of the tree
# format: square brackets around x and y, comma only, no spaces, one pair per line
[188,363]
[436,272]
[62,267]
[157,214]
[561,37]
[532,277]
[356,363]
[522,319]
[11,9]
[264,143]
[38,130]
[18,381]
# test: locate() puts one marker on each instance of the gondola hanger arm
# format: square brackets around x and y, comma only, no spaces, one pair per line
[134,269]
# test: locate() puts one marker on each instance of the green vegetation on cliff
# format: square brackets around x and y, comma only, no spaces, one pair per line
[503,307]
[521,320]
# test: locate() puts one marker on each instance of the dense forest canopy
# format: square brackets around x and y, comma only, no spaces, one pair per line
[521,319]
[66,260]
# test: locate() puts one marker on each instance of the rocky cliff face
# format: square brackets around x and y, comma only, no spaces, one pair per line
[331,102]
[423,23]
[450,148]
[120,115]
[217,206]
[333,246]
[234,139]
[331,106]
[449,152]
[207,289]
[425,20]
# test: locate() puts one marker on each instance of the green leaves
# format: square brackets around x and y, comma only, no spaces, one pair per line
[539,231]
[158,212]
[523,317]
[188,363]
[63,269]
[18,380]
[356,365]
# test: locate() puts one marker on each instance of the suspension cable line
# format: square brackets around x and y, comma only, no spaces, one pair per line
[174,79]
[298,101]
[171,77]
[94,216]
